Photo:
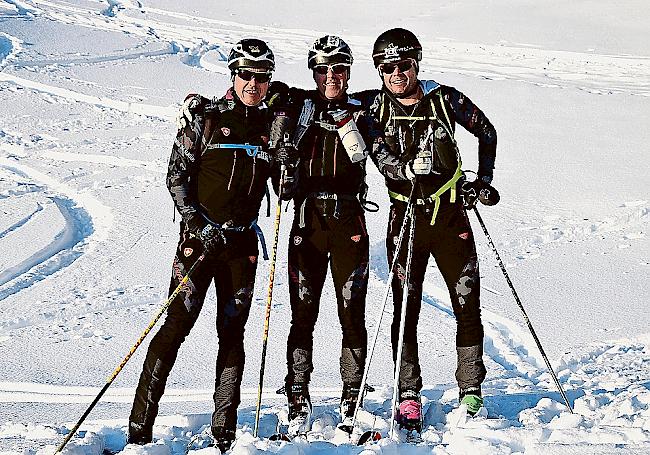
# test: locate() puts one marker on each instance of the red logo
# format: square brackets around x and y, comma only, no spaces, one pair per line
[464,235]
[225,131]
[188,252]
[253,259]
[356,238]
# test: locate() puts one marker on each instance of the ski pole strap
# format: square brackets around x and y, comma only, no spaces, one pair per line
[324,195]
[435,197]
[260,236]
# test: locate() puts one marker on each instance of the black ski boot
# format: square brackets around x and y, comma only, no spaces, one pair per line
[223,438]
[299,408]
[349,398]
[139,434]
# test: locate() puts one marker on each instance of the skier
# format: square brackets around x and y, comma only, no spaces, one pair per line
[328,189]
[217,177]
[419,119]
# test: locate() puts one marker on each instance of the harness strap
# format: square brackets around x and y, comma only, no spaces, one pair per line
[232,228]
[251,150]
[450,186]
[324,196]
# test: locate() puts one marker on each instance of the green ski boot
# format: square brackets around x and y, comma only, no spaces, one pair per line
[471,397]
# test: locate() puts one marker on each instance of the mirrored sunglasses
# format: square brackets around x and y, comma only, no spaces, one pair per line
[388,68]
[339,68]
[247,75]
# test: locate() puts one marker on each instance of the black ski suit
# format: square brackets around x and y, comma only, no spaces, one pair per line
[329,227]
[442,226]
[208,177]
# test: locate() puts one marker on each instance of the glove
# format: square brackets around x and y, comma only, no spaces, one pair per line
[421,165]
[210,236]
[185,115]
[287,156]
[479,190]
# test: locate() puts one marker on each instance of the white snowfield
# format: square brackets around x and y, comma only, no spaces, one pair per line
[88,95]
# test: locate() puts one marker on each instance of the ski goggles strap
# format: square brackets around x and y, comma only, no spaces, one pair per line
[450,186]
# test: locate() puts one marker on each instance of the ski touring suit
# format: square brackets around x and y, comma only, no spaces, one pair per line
[218,170]
[329,227]
[442,227]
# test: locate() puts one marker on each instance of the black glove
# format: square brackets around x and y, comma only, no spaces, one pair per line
[210,236]
[480,190]
[287,156]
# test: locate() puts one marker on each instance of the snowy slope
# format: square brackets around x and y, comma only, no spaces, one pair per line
[88,93]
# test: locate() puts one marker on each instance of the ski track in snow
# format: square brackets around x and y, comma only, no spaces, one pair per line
[201,39]
[80,233]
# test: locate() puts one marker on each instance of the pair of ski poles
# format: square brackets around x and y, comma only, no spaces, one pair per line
[410,218]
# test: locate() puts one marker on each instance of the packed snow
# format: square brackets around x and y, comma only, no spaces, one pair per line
[88,95]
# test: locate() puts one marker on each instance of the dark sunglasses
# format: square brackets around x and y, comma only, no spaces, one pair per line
[388,68]
[336,69]
[247,75]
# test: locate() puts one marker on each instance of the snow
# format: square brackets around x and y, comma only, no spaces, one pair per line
[88,95]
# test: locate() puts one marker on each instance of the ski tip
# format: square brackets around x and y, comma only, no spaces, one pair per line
[280,437]
[345,428]
[369,437]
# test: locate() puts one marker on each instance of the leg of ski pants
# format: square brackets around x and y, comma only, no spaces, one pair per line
[307,270]
[349,262]
[455,253]
[410,372]
[234,280]
[161,355]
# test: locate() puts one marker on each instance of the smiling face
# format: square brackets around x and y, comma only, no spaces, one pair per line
[251,92]
[332,81]
[400,78]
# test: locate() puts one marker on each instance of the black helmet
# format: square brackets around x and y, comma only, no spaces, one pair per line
[327,50]
[395,45]
[251,53]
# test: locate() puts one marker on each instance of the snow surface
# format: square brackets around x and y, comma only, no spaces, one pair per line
[88,93]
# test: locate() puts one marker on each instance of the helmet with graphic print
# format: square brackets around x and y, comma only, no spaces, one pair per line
[329,49]
[251,53]
[394,45]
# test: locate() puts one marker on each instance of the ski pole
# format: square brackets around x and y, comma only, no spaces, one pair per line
[402,322]
[391,273]
[521,307]
[269,299]
[110,380]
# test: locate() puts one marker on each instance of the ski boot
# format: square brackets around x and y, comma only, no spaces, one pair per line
[299,409]
[472,399]
[223,438]
[409,412]
[349,399]
[139,434]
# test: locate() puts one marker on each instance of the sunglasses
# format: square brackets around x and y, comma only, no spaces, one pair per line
[339,69]
[389,68]
[247,75]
